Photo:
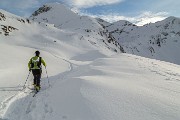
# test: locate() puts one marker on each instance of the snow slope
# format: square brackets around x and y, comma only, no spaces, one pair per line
[17,46]
[158,40]
[85,27]
[20,37]
[89,80]
[119,87]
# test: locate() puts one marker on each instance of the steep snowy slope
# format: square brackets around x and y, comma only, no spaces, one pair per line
[156,40]
[85,27]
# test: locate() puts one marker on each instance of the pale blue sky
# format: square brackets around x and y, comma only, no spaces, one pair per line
[136,11]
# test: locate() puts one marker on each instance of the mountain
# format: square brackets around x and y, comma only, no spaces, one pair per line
[54,13]
[88,28]
[160,40]
[87,76]
[20,37]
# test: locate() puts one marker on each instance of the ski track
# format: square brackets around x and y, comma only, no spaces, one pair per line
[47,109]
[162,71]
[4,104]
[31,102]
[156,69]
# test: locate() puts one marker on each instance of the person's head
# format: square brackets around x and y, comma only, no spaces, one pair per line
[37,53]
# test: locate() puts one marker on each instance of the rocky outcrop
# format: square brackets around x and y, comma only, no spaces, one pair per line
[42,9]
[2,17]
[7,29]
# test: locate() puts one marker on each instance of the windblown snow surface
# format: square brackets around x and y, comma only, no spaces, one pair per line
[87,81]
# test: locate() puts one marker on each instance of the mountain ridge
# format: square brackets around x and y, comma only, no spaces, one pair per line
[149,40]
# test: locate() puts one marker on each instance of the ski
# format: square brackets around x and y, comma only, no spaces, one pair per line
[35,92]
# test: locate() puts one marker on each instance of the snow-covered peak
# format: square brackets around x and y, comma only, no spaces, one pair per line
[53,7]
[87,28]
[158,40]
[53,13]
[173,21]
[171,18]
[103,22]
[120,25]
[123,23]
[41,10]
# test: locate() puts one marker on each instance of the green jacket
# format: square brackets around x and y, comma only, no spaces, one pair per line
[34,61]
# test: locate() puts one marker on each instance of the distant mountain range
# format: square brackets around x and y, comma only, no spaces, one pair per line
[160,40]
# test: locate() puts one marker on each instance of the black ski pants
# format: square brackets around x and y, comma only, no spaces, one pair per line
[37,76]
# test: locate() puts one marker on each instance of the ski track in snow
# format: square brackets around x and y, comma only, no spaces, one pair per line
[162,71]
[31,102]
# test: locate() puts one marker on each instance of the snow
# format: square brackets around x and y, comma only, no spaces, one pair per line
[158,40]
[88,80]
[57,14]
[119,87]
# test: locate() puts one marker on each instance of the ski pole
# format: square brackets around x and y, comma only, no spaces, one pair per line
[47,77]
[26,79]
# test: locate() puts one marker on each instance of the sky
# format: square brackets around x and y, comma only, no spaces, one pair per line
[139,12]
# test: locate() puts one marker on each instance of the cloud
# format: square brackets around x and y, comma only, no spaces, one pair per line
[91,3]
[149,17]
[141,19]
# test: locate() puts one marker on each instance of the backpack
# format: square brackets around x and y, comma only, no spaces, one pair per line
[36,63]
